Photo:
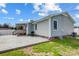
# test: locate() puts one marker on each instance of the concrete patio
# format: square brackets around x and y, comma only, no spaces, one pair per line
[9,42]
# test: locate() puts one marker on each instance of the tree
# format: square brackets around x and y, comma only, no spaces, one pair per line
[0,26]
[5,25]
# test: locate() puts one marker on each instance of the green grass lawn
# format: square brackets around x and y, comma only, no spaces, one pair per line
[56,47]
[18,52]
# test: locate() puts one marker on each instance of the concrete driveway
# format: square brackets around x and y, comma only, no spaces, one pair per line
[9,42]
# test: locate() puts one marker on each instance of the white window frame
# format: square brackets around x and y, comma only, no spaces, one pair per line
[53,24]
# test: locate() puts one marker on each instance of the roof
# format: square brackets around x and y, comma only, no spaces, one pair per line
[21,23]
[52,15]
[47,17]
[76,26]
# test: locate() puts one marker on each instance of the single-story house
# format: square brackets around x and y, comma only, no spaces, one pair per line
[52,25]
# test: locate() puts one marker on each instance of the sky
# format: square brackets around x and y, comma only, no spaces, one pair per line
[12,13]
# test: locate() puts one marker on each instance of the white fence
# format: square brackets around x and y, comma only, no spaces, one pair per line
[6,31]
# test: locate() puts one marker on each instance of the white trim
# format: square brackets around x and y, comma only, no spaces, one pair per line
[27,32]
[53,15]
[50,27]
[34,27]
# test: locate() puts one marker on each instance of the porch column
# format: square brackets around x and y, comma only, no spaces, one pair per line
[50,29]
[27,29]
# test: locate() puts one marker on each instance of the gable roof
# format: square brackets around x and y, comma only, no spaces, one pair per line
[52,15]
[21,23]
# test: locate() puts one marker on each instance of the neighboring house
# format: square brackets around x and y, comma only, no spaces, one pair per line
[20,28]
[52,25]
[76,29]
[6,31]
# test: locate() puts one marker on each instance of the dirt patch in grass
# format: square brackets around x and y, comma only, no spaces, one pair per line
[29,50]
[42,54]
[74,52]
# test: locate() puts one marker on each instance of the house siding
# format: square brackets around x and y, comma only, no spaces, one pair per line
[43,28]
[29,28]
[64,26]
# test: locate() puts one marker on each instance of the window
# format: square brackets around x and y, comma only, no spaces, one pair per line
[35,26]
[55,25]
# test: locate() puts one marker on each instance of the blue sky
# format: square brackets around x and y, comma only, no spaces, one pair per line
[12,13]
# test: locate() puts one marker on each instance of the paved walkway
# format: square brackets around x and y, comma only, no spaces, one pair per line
[8,42]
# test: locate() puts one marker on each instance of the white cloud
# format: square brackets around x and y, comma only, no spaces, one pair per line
[77,15]
[18,11]
[9,18]
[21,20]
[2,5]
[4,11]
[25,4]
[77,7]
[28,20]
[41,14]
[37,7]
[43,9]
[52,7]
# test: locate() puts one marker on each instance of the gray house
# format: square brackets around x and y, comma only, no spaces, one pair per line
[52,25]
